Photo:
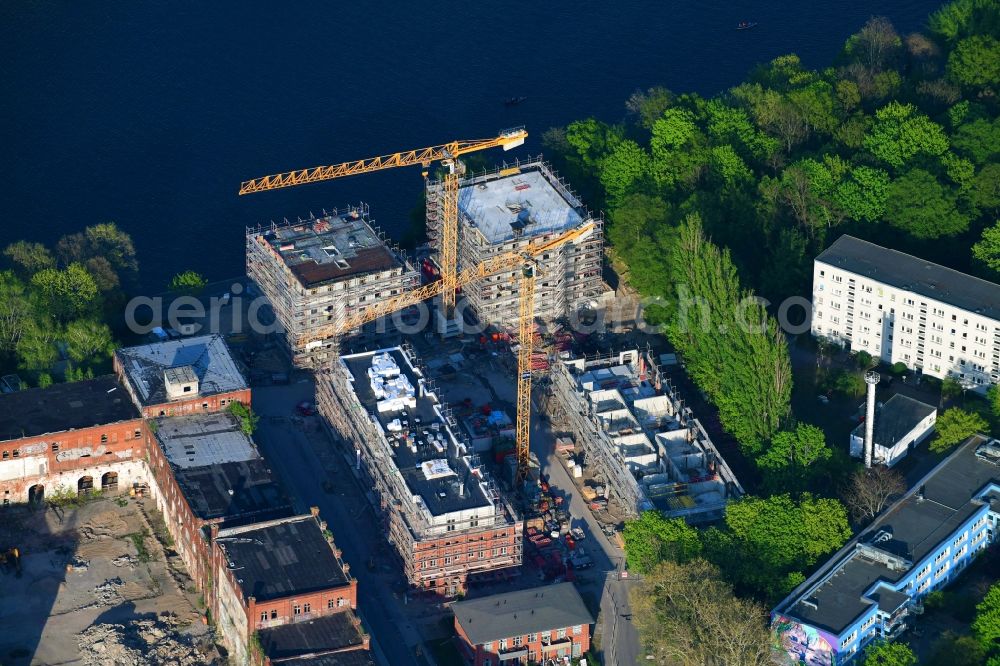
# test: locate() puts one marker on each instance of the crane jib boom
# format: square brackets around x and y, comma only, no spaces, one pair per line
[504,262]
[507,140]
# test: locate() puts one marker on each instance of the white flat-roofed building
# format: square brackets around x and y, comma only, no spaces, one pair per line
[902,309]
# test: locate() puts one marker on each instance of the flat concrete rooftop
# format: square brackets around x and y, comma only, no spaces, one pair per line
[207,355]
[531,203]
[204,439]
[440,495]
[62,407]
[282,559]
[331,248]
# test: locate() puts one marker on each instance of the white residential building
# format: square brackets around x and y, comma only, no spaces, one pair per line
[899,308]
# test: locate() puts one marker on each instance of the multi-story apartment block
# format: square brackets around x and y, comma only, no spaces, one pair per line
[505,210]
[869,589]
[902,309]
[317,271]
[539,625]
[75,437]
[444,515]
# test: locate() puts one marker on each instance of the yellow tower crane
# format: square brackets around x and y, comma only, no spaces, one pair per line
[509,261]
[447,154]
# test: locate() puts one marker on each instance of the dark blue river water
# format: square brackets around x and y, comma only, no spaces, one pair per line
[151,113]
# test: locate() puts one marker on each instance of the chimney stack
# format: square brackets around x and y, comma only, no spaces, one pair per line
[872,379]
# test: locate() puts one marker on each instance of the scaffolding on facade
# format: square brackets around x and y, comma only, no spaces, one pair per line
[568,278]
[406,523]
[304,299]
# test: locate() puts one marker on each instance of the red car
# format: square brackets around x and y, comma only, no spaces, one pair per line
[305,408]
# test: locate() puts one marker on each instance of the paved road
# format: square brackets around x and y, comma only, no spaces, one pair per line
[620,641]
[292,457]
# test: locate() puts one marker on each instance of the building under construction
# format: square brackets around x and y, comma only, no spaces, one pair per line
[502,211]
[442,512]
[639,438]
[315,272]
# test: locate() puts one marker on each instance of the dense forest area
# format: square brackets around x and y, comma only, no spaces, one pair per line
[62,307]
[717,201]
[898,142]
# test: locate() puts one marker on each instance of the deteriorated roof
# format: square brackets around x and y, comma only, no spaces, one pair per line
[283,559]
[208,356]
[235,492]
[62,407]
[335,631]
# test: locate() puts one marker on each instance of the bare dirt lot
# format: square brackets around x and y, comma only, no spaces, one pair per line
[96,587]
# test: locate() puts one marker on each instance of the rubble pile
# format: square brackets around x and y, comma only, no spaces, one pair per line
[138,643]
[108,593]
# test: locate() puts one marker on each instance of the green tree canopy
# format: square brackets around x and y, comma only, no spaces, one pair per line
[794,458]
[88,341]
[733,348]
[863,195]
[986,626]
[984,189]
[886,653]
[768,542]
[921,206]
[36,349]
[962,18]
[188,283]
[954,426]
[66,294]
[627,165]
[15,311]
[247,418]
[726,165]
[976,61]
[29,258]
[979,139]
[651,539]
[987,250]
[686,614]
[900,133]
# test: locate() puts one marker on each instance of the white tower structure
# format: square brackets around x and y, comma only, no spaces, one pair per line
[872,379]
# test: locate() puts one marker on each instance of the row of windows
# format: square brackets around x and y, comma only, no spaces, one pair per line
[432,563]
[42,446]
[517,641]
[304,608]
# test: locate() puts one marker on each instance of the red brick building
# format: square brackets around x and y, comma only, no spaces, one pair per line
[207,473]
[70,438]
[526,626]
[185,376]
[277,573]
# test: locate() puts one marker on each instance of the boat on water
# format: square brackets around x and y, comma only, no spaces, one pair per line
[746,25]
[513,101]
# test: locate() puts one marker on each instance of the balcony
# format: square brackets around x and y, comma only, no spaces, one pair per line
[514,652]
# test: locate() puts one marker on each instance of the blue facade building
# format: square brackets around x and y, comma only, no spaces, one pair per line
[870,588]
